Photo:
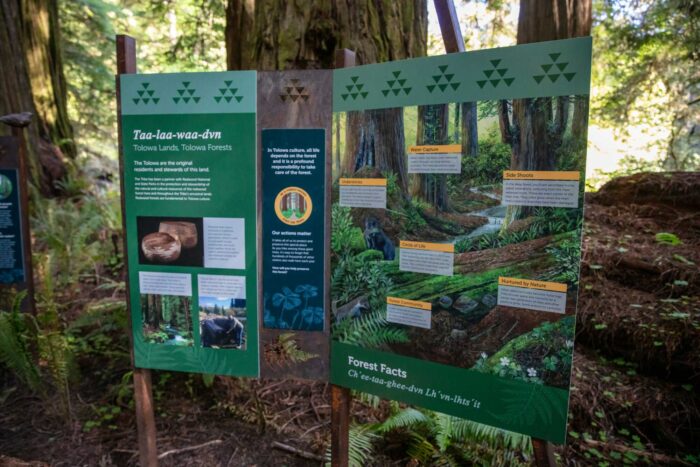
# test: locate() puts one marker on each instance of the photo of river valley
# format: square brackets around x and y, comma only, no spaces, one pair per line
[467,328]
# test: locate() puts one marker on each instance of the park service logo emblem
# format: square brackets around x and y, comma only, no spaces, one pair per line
[293,206]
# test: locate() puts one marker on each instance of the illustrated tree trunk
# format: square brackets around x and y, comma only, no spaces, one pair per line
[278,34]
[20,34]
[433,129]
[533,144]
[469,130]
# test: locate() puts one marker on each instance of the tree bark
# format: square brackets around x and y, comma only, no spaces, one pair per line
[305,35]
[45,161]
[42,48]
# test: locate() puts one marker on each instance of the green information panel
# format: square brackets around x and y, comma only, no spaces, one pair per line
[457,211]
[189,168]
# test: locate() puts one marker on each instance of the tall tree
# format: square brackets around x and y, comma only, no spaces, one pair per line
[32,81]
[276,35]
[433,129]
[538,124]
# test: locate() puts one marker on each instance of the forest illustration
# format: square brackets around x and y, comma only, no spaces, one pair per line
[468,328]
[167,319]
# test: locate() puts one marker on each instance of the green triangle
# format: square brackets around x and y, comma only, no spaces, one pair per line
[546,67]
[494,82]
[495,62]
[554,77]
[396,74]
[442,87]
[186,99]
[449,77]
[539,78]
[569,76]
[443,68]
[136,101]
[455,85]
[354,95]
[407,90]
[186,84]
[554,56]
[508,81]
[145,100]
[344,96]
[488,73]
[217,98]
[145,85]
[349,88]
[502,71]
[140,93]
[391,83]
[354,79]
[364,94]
[431,87]
[221,90]
[481,84]
[396,91]
[227,98]
[401,82]
[228,83]
[191,91]
[561,66]
[196,99]
[436,78]
[233,91]
[238,98]
[176,99]
[156,99]
[181,91]
[385,92]
[150,93]
[360,86]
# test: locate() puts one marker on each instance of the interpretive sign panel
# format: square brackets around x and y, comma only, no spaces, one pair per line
[188,144]
[11,261]
[294,128]
[455,279]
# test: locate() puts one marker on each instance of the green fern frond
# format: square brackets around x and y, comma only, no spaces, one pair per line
[467,430]
[369,331]
[361,446]
[420,448]
[408,417]
[291,349]
[14,346]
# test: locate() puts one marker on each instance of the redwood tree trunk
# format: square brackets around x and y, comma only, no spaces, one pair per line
[278,34]
[20,34]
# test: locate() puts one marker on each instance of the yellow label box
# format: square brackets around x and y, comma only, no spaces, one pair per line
[533,284]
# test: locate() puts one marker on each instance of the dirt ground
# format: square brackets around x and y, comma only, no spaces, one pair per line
[634,393]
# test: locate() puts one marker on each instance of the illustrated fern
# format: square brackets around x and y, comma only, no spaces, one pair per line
[371,330]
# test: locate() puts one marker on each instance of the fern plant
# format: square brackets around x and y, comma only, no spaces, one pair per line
[371,330]
[15,345]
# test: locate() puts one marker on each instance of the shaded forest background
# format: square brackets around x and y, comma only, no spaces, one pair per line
[67,370]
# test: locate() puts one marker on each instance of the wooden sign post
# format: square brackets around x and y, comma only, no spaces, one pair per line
[341,397]
[143,392]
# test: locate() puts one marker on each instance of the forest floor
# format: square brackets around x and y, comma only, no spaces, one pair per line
[634,390]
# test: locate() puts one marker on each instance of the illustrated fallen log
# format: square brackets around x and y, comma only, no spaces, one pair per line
[161,247]
[186,232]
